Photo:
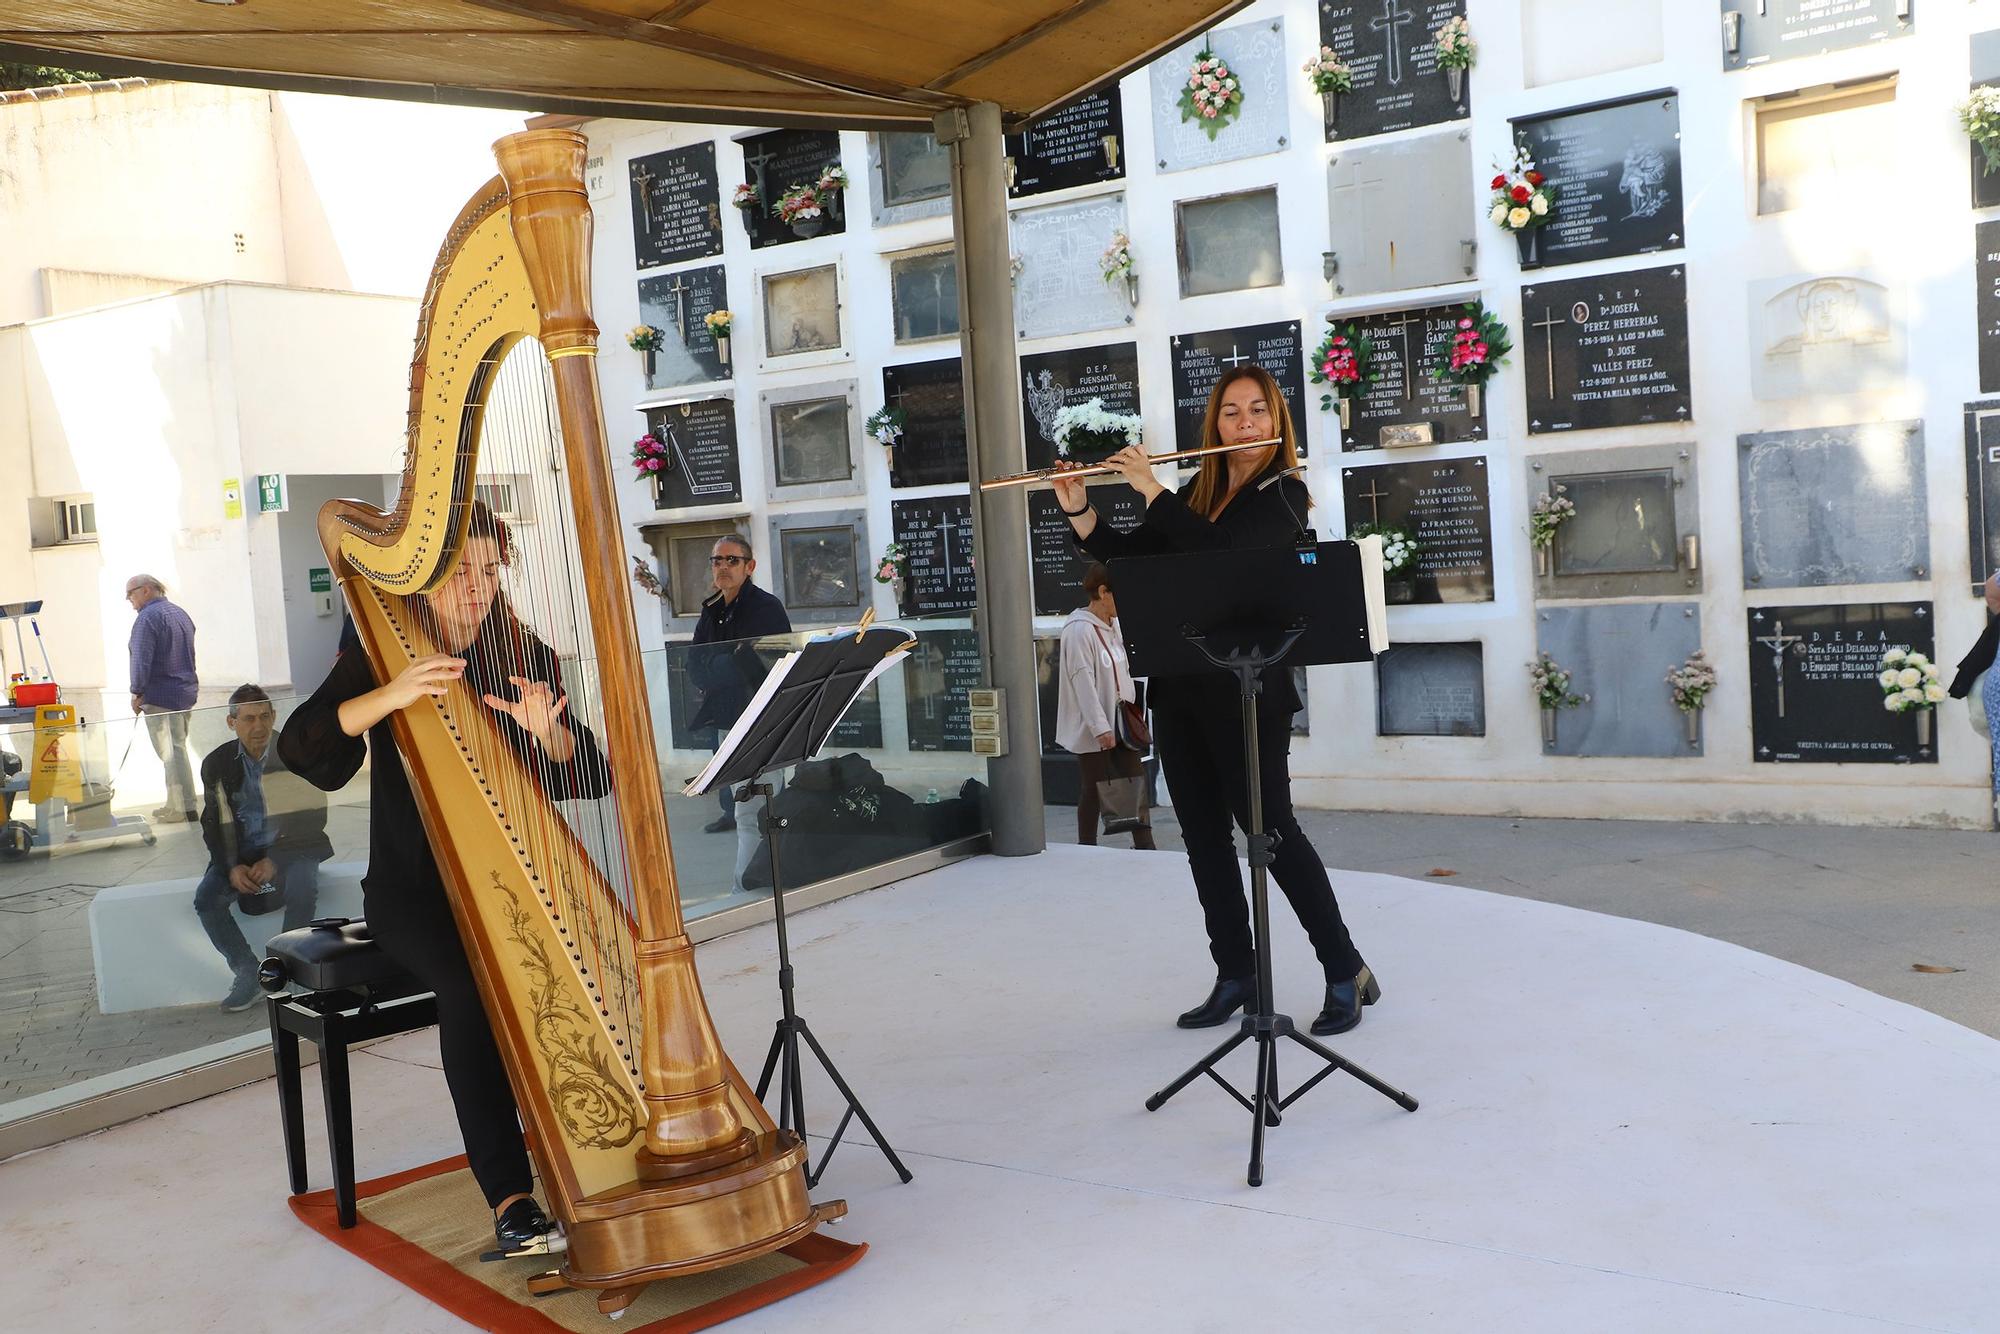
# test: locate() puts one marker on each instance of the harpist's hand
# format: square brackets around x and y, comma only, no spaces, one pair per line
[538,711]
[427,677]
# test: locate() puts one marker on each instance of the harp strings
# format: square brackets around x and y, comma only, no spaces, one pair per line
[560,809]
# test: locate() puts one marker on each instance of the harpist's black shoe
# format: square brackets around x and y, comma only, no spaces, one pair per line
[1230,995]
[523,1229]
[1344,1001]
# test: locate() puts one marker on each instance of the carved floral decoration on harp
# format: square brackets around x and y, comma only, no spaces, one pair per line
[590,1100]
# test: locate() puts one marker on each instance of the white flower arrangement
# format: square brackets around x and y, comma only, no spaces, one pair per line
[1551,684]
[1979,116]
[1116,261]
[1910,681]
[1455,47]
[1399,545]
[1090,425]
[1691,681]
[1550,511]
[886,426]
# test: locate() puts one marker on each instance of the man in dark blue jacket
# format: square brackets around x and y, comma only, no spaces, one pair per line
[722,665]
[164,685]
[266,834]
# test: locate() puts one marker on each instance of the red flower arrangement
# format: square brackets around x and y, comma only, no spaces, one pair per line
[1479,347]
[1344,360]
[648,455]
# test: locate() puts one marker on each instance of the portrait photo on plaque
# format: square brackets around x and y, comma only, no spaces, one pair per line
[802,311]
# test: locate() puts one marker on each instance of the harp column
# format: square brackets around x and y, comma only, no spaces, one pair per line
[995,446]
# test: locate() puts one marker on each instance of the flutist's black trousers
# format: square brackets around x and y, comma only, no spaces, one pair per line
[1200,745]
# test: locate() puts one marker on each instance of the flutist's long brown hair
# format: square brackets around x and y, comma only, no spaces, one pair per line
[1211,484]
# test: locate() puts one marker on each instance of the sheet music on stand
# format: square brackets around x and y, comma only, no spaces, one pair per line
[792,735]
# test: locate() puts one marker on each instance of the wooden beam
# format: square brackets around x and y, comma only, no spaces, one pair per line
[572,15]
[1033,33]
[679,10]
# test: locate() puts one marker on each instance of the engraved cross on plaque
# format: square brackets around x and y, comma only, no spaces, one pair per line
[1413,350]
[945,528]
[1547,324]
[1778,641]
[678,289]
[642,181]
[1235,358]
[1374,497]
[1394,18]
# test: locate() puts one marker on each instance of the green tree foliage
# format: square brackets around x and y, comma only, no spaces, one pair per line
[14,76]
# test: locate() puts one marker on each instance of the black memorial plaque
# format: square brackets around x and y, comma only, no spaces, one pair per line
[1055,562]
[1756,32]
[1407,405]
[1606,351]
[860,728]
[1616,171]
[1986,265]
[1081,142]
[932,397]
[1201,358]
[1052,381]
[1814,696]
[1982,488]
[940,669]
[701,467]
[1443,505]
[675,304]
[676,206]
[936,536]
[1397,83]
[775,162]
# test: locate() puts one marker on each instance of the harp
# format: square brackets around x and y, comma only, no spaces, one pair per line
[651,1149]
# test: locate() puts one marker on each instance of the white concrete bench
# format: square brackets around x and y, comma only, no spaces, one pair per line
[150,952]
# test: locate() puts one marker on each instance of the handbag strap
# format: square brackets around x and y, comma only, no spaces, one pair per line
[1114,663]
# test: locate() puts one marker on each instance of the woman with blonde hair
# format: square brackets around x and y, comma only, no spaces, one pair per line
[1247,498]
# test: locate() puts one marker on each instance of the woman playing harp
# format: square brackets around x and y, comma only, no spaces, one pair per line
[490,657]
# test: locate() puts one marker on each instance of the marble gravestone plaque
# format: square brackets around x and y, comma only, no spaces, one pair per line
[1400,214]
[936,535]
[1406,405]
[1834,505]
[1756,32]
[1397,83]
[1443,504]
[1619,656]
[1616,170]
[1255,54]
[776,161]
[1986,253]
[1814,696]
[1081,142]
[1982,488]
[1431,690]
[1060,288]
[1822,336]
[701,467]
[1200,359]
[932,397]
[1606,351]
[1052,381]
[940,669]
[675,303]
[676,206]
[1055,562]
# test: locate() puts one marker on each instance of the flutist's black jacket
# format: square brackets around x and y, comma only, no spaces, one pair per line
[1269,512]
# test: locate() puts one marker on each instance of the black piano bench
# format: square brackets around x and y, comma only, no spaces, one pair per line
[332,985]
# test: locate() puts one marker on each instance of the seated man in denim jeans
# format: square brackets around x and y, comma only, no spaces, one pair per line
[266,836]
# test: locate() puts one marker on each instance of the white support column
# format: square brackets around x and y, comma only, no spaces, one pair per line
[995,446]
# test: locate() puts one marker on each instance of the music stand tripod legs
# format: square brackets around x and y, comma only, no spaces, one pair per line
[1264,1027]
[783,1057]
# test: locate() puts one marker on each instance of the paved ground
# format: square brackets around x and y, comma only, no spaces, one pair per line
[1863,905]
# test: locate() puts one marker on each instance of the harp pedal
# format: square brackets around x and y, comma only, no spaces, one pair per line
[549,1243]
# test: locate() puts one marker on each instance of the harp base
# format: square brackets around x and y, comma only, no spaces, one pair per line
[653,1168]
[615,1295]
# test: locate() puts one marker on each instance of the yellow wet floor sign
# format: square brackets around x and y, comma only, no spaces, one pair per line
[58,766]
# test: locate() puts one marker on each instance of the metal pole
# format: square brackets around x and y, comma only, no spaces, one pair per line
[995,446]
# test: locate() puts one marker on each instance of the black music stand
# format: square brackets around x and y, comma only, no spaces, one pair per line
[1242,612]
[797,707]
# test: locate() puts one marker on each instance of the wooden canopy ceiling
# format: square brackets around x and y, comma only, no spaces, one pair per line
[855,63]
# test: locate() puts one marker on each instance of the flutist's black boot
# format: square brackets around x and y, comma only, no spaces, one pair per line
[1344,1001]
[1230,995]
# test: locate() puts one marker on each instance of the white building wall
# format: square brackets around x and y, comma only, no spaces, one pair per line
[1910,223]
